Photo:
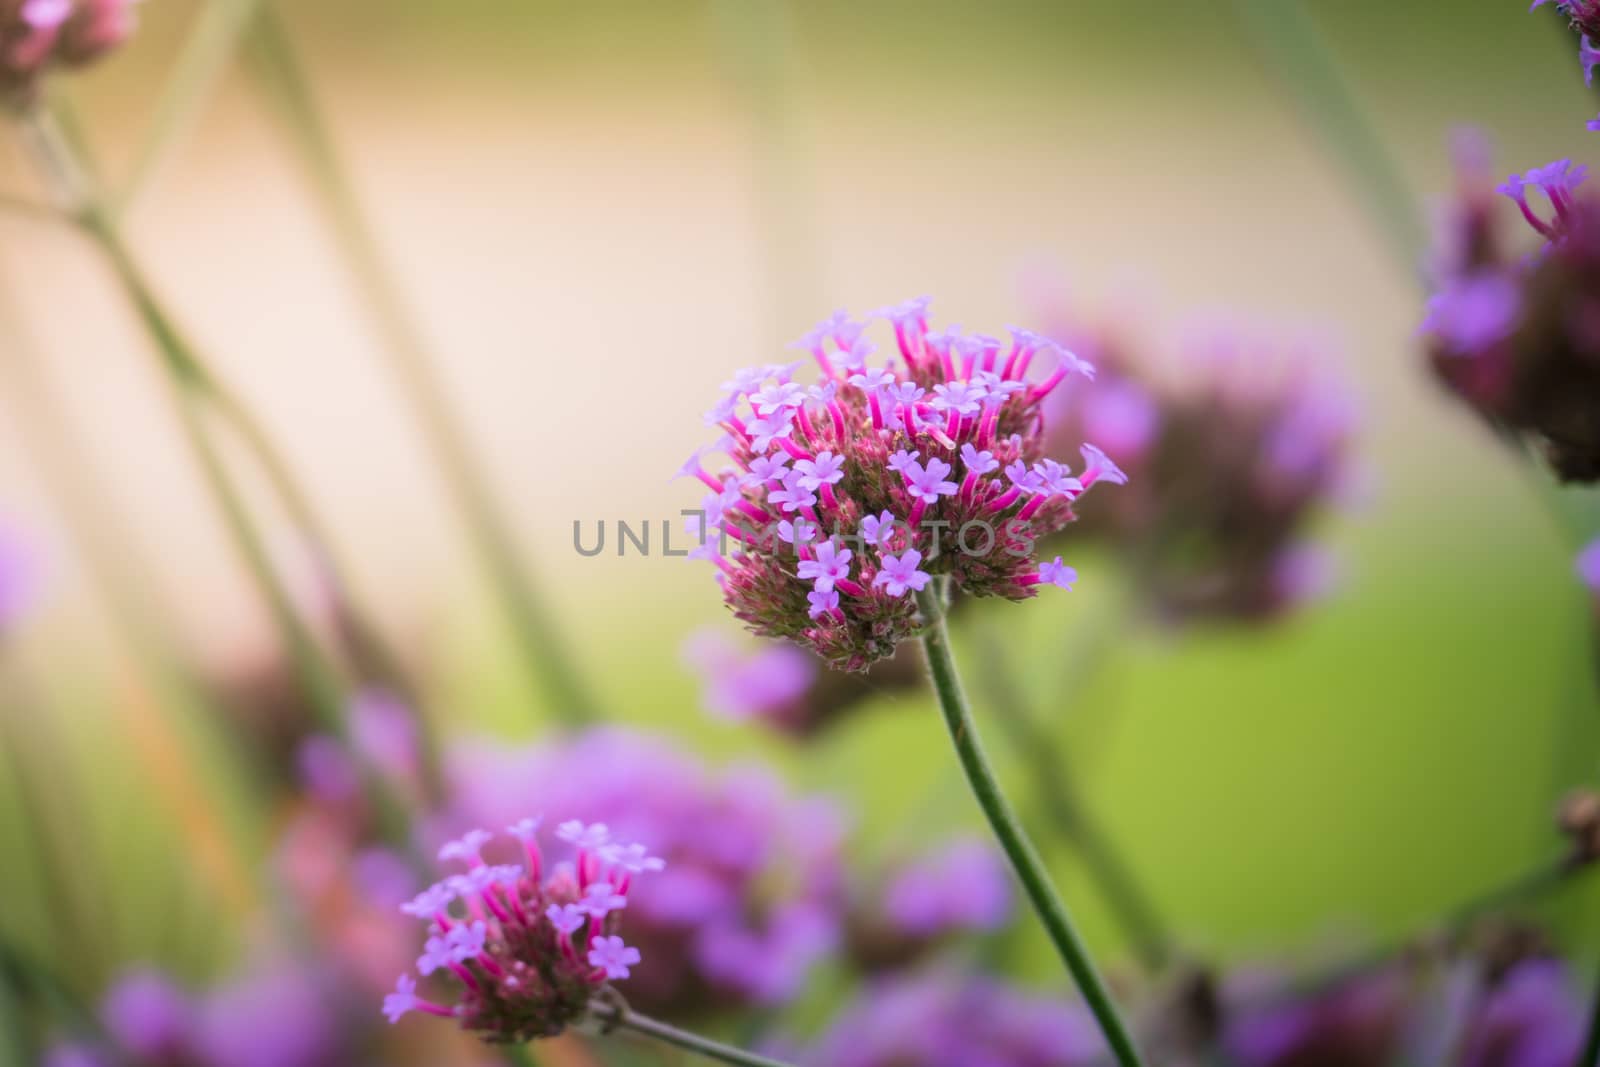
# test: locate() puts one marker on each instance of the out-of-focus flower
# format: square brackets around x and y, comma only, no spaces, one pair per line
[1233,456]
[1585,18]
[843,498]
[19,578]
[1518,337]
[273,1014]
[36,34]
[1533,1017]
[944,1019]
[149,1016]
[785,687]
[304,1028]
[961,887]
[1361,1022]
[529,950]
[752,894]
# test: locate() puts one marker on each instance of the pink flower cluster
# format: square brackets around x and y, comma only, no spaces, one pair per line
[1515,335]
[844,497]
[34,34]
[529,952]
[752,896]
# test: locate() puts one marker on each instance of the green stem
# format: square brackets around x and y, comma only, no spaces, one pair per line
[1288,40]
[1053,784]
[1008,830]
[615,1016]
[538,636]
[191,387]
[200,66]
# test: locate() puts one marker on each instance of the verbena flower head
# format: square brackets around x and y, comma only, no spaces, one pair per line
[1517,337]
[1235,452]
[1534,1016]
[961,887]
[1363,1022]
[784,687]
[944,1019]
[528,949]
[1585,18]
[36,34]
[751,897]
[843,498]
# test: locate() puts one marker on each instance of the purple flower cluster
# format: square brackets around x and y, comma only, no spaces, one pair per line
[1518,336]
[945,1019]
[961,887]
[1233,455]
[844,497]
[528,950]
[1364,1022]
[753,892]
[1585,18]
[34,34]
[150,1021]
[784,687]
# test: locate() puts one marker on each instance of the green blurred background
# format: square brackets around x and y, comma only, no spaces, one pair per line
[598,210]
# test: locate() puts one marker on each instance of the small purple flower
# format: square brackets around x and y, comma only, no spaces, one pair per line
[613,957]
[1052,479]
[792,495]
[899,574]
[525,830]
[148,1015]
[928,484]
[901,460]
[1057,573]
[765,469]
[822,602]
[773,397]
[963,398]
[799,532]
[602,898]
[586,836]
[976,462]
[826,469]
[633,858]
[831,565]
[873,380]
[465,849]
[876,530]
[403,1000]
[429,902]
[1099,468]
[1588,565]
[770,428]
[566,918]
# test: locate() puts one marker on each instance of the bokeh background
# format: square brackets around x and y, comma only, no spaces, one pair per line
[597,211]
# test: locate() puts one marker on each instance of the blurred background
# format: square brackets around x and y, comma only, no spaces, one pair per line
[597,212]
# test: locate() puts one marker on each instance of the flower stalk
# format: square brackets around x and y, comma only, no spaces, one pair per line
[1009,832]
[279,68]
[617,1016]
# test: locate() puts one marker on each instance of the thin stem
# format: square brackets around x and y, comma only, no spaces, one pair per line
[617,1016]
[205,56]
[1008,830]
[538,637]
[189,384]
[1053,784]
[1288,40]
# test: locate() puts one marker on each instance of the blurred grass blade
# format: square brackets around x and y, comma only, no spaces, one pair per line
[1290,43]
[212,45]
[543,651]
